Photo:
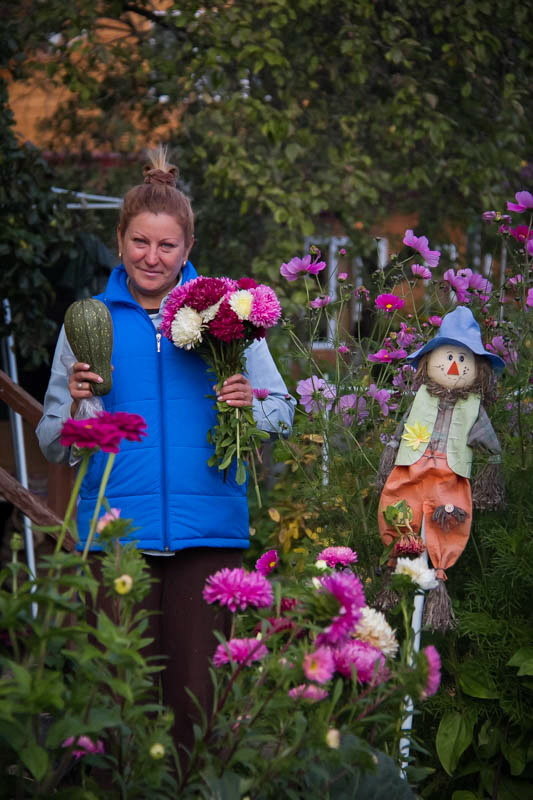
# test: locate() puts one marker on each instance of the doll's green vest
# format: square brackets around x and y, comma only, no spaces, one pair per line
[424,411]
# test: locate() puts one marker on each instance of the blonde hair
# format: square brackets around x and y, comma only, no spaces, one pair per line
[158,194]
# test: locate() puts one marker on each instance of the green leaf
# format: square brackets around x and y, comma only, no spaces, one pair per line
[476,683]
[36,760]
[523,659]
[464,795]
[453,737]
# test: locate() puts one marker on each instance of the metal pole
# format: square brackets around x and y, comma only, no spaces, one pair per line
[10,367]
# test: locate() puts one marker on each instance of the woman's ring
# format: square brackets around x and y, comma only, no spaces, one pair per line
[80,385]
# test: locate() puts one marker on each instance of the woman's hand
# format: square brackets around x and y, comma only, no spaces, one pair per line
[79,383]
[235,391]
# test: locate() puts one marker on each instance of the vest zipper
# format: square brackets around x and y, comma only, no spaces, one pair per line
[164,504]
[158,340]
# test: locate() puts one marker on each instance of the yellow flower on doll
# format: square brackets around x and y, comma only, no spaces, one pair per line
[415,435]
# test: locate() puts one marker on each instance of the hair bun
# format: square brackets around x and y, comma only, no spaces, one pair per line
[161,176]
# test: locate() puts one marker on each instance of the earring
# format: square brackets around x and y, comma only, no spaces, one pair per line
[120,253]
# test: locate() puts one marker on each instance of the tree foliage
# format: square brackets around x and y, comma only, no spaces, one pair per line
[289,114]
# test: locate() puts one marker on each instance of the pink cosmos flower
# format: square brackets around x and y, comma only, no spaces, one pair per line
[316,394]
[502,347]
[406,336]
[384,356]
[524,200]
[343,349]
[294,268]
[342,276]
[459,284]
[381,396]
[421,245]
[266,309]
[352,408]
[529,298]
[515,280]
[319,665]
[389,302]
[361,660]
[267,562]
[435,320]
[433,671]
[522,233]
[260,394]
[481,285]
[320,302]
[239,651]
[103,432]
[337,555]
[529,247]
[237,589]
[307,691]
[420,271]
[105,519]
[84,746]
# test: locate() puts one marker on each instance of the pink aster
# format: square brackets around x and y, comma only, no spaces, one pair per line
[316,394]
[84,746]
[267,562]
[239,651]
[352,408]
[266,309]
[307,691]
[320,302]
[435,320]
[419,271]
[381,396]
[348,591]
[421,245]
[319,665]
[389,302]
[524,200]
[237,589]
[361,660]
[433,671]
[337,555]
[260,394]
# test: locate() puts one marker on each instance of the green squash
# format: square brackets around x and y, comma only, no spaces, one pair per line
[89,330]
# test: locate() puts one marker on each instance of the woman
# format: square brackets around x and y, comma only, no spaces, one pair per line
[190,519]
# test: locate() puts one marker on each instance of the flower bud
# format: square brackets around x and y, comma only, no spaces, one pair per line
[16,543]
[123,584]
[333,738]
[157,751]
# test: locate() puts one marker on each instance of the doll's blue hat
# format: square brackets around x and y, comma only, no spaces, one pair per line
[459,327]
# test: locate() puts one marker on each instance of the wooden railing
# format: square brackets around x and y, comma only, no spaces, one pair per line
[59,475]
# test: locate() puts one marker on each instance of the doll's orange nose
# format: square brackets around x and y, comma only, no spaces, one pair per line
[453,369]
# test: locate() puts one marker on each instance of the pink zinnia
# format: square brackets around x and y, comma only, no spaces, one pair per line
[227,326]
[524,200]
[389,302]
[433,671]
[319,665]
[266,309]
[307,691]
[260,394]
[239,651]
[420,271]
[320,302]
[421,245]
[337,555]
[362,660]
[84,746]
[130,426]
[237,589]
[267,562]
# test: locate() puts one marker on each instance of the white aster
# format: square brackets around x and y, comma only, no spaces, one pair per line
[374,629]
[418,570]
[241,302]
[187,327]
[210,313]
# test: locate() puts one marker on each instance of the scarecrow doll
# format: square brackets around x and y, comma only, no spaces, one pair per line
[426,499]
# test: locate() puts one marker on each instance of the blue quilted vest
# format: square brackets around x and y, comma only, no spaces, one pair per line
[163,483]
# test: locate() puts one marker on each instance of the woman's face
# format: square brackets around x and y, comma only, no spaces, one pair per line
[153,252]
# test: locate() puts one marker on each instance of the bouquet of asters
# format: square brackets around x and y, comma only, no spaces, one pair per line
[218,318]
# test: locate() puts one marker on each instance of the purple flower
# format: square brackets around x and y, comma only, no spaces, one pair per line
[239,651]
[351,407]
[381,396]
[481,285]
[389,302]
[420,271]
[516,279]
[489,216]
[403,378]
[319,665]
[337,555]
[529,298]
[321,301]
[421,245]
[267,562]
[435,320]
[384,356]
[433,662]
[500,345]
[84,746]
[307,691]
[260,394]
[266,309]
[347,589]
[238,589]
[524,200]
[459,284]
[406,336]
[343,349]
[522,233]
[361,660]
[316,394]
[342,276]
[292,270]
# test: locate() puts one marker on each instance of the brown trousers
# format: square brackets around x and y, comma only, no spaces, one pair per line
[183,629]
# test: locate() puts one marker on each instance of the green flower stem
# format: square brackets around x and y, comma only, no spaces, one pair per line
[238,431]
[80,475]
[101,492]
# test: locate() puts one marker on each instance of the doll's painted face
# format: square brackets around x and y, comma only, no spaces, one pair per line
[452,366]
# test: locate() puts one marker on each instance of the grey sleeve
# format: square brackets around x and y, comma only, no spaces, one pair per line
[57,403]
[274,414]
